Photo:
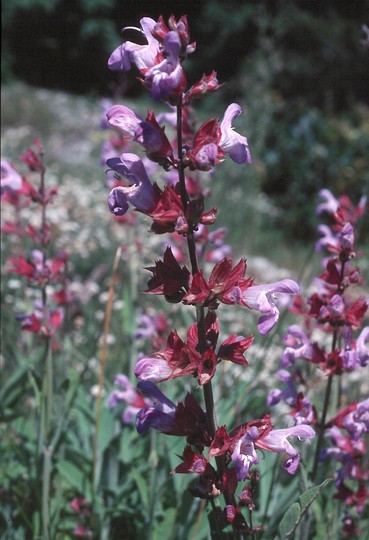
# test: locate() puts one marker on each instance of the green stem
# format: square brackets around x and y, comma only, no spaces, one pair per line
[46,478]
[153,461]
[44,439]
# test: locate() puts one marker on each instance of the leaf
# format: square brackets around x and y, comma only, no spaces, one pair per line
[13,388]
[74,476]
[164,528]
[142,487]
[292,517]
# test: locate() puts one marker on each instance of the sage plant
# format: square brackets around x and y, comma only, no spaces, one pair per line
[222,457]
[333,338]
[45,272]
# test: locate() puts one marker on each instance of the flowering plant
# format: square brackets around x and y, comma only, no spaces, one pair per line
[222,457]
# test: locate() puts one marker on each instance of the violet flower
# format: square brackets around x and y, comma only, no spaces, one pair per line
[327,238]
[128,394]
[355,355]
[151,368]
[232,142]
[277,441]
[244,454]
[346,237]
[357,421]
[262,298]
[299,346]
[330,205]
[147,132]
[160,415]
[143,56]
[167,76]
[303,411]
[140,193]
[10,179]
[289,394]
[123,118]
[361,348]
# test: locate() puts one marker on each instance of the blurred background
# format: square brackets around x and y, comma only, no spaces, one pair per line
[298,68]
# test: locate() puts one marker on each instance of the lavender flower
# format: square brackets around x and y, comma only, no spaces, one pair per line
[231,142]
[262,298]
[167,76]
[10,179]
[277,441]
[140,194]
[244,454]
[143,56]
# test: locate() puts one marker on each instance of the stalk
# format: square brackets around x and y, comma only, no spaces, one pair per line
[200,311]
[103,355]
[47,389]
[328,389]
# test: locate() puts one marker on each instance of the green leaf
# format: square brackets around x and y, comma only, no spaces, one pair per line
[165,527]
[292,517]
[142,487]
[74,476]
[13,388]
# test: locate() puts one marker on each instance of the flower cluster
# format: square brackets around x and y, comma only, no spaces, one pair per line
[221,457]
[338,311]
[47,274]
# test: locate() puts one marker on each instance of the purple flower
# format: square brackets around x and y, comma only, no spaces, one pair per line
[357,422]
[244,453]
[277,441]
[303,410]
[143,56]
[160,415]
[362,350]
[167,76]
[327,238]
[184,419]
[123,118]
[336,307]
[299,346]
[128,394]
[232,142]
[262,298]
[151,368]
[354,356]
[346,237]
[289,394]
[10,179]
[147,132]
[330,205]
[140,193]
